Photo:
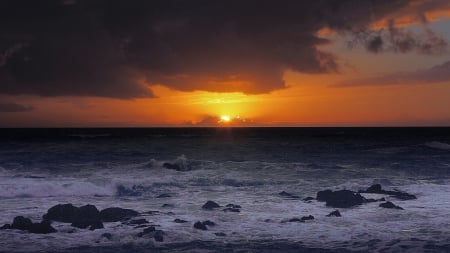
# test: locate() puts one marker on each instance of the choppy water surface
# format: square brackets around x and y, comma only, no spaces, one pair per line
[40,168]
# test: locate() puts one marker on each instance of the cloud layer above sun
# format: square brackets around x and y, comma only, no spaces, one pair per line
[119,49]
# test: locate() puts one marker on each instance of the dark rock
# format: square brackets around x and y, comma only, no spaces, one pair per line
[220,234]
[6,226]
[402,195]
[295,220]
[376,188]
[308,199]
[138,222]
[209,223]
[288,195]
[335,213]
[309,217]
[107,236]
[167,206]
[324,195]
[81,224]
[340,199]
[134,191]
[96,225]
[164,195]
[210,205]
[114,214]
[374,200]
[200,225]
[158,236]
[179,221]
[62,212]
[86,216]
[233,206]
[25,224]
[147,231]
[233,210]
[173,166]
[21,223]
[42,228]
[390,205]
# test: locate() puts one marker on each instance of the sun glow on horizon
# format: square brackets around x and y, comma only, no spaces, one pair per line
[225,118]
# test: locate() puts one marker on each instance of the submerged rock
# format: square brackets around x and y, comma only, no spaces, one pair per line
[138,222]
[6,226]
[164,195]
[209,223]
[147,231]
[180,221]
[203,225]
[134,191]
[335,213]
[210,205]
[233,210]
[176,166]
[107,236]
[309,217]
[200,225]
[158,235]
[308,199]
[340,199]
[220,234]
[390,205]
[377,189]
[114,214]
[288,195]
[233,206]
[294,220]
[302,219]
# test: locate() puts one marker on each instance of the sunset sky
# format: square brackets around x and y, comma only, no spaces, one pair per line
[74,63]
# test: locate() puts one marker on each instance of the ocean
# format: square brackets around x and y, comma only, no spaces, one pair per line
[169,173]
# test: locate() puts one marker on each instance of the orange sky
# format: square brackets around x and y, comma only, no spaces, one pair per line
[309,99]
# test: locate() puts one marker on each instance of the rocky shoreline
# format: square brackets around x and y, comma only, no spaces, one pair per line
[89,217]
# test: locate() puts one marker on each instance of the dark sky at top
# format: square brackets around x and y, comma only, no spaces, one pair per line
[116,48]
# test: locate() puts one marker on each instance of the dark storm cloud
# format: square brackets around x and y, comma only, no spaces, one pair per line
[436,74]
[114,48]
[400,40]
[13,107]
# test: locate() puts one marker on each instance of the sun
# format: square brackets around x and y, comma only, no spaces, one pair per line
[225,118]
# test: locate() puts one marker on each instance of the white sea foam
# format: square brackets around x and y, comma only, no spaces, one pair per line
[35,187]
[438,145]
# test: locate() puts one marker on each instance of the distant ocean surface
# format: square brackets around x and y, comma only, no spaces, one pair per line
[115,167]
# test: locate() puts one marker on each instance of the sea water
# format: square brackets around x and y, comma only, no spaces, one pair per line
[40,168]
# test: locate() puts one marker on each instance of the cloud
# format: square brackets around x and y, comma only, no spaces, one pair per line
[13,107]
[211,120]
[436,74]
[113,48]
[400,40]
